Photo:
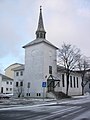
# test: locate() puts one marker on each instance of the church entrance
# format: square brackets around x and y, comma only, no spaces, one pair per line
[52,82]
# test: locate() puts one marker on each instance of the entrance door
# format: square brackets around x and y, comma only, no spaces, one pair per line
[1,89]
[50,86]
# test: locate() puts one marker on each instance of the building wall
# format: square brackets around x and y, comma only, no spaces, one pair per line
[73,89]
[37,61]
[7,86]
[18,78]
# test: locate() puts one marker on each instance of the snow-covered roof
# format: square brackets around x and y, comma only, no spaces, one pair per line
[37,41]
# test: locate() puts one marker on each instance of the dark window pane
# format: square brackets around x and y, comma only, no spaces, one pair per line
[10,89]
[50,69]
[70,81]
[89,85]
[74,82]
[21,83]
[63,82]
[77,82]
[17,73]
[6,89]
[10,83]
[7,82]
[28,86]
[21,73]
[16,84]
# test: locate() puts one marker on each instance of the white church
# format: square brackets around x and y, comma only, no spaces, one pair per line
[40,76]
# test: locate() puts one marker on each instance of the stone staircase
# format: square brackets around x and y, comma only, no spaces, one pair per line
[58,95]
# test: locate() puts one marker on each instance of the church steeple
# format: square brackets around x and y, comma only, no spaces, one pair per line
[40,33]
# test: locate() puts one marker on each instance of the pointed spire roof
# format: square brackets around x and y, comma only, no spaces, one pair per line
[40,33]
[40,22]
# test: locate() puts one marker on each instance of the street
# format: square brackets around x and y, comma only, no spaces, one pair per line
[77,109]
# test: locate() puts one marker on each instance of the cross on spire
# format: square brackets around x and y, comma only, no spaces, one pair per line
[40,33]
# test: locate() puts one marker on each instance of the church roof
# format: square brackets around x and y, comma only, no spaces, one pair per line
[40,22]
[40,34]
[37,41]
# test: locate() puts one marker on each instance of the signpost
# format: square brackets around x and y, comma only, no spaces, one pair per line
[43,85]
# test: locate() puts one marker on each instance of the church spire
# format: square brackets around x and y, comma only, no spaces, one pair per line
[40,33]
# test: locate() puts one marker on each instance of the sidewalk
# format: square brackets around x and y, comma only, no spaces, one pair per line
[4,103]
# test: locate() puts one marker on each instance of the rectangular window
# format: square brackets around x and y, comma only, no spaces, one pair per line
[17,73]
[21,73]
[16,84]
[63,82]
[74,81]
[89,85]
[71,81]
[6,89]
[26,94]
[28,86]
[10,89]
[10,83]
[77,82]
[7,82]
[50,69]
[21,83]
[29,94]
[39,94]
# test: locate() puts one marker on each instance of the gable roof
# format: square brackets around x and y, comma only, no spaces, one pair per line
[37,41]
[18,68]
[5,77]
[13,65]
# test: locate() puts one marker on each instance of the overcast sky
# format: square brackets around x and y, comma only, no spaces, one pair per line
[64,20]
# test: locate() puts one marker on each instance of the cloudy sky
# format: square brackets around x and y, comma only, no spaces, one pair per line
[64,20]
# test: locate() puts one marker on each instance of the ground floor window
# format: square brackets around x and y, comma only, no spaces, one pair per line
[77,83]
[27,94]
[38,94]
[74,82]
[10,89]
[71,81]
[63,82]
[89,85]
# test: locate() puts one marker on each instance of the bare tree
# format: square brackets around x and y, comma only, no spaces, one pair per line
[19,89]
[68,57]
[84,66]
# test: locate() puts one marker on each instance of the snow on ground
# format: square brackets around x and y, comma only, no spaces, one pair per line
[84,116]
[30,101]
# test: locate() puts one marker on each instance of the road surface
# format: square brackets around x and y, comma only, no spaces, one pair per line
[78,109]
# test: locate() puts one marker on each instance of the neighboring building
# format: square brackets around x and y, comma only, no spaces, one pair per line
[18,81]
[87,86]
[6,84]
[8,70]
[41,75]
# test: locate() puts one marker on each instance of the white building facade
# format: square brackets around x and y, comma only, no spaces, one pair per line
[6,85]
[40,63]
